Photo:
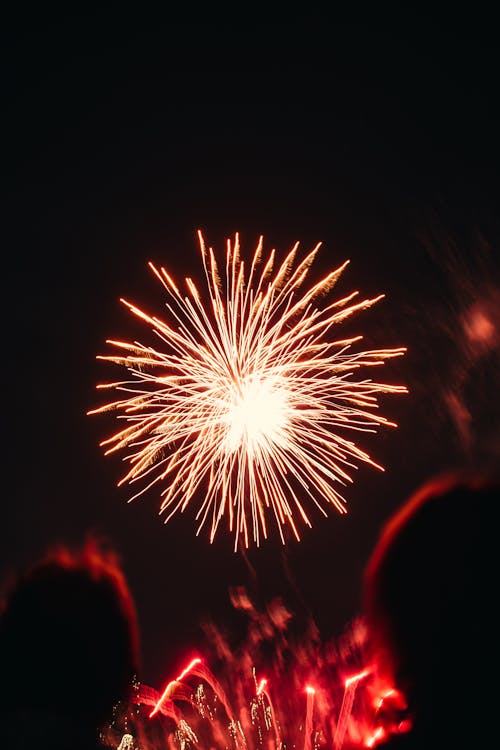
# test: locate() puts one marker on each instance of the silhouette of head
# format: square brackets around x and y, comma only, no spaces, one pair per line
[426,599]
[68,637]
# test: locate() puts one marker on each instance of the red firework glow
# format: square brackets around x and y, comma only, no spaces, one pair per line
[315,696]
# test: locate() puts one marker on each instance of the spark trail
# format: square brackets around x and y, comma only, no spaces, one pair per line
[249,400]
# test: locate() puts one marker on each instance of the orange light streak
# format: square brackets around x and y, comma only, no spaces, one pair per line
[350,685]
[308,727]
[260,693]
[376,737]
[261,686]
[357,677]
[383,697]
[172,683]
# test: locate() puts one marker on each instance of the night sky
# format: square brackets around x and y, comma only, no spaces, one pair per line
[121,139]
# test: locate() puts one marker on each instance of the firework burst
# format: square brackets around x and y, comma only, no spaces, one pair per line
[247,398]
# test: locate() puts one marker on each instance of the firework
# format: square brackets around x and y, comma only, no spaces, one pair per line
[316,695]
[247,400]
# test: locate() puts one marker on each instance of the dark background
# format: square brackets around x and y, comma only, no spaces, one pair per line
[122,138]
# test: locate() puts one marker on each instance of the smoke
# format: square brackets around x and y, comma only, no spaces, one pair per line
[465,315]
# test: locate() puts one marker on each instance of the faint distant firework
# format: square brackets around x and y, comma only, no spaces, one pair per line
[248,398]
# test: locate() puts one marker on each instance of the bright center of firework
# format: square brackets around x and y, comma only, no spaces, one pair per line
[256,415]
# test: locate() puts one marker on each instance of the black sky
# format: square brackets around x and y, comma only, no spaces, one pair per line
[120,141]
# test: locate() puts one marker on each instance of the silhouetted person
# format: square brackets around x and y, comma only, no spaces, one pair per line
[69,649]
[428,601]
